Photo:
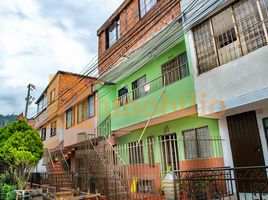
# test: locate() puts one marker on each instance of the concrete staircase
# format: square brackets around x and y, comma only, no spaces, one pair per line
[104,173]
[58,177]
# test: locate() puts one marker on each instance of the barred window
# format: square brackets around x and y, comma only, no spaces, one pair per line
[145,186]
[249,26]
[264,8]
[230,34]
[225,37]
[175,69]
[136,153]
[204,45]
[197,143]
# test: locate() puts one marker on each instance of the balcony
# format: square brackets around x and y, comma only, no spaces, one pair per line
[170,92]
[152,86]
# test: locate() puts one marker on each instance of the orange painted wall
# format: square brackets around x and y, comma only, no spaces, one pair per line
[70,90]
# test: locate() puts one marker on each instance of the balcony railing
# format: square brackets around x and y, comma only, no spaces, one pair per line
[168,78]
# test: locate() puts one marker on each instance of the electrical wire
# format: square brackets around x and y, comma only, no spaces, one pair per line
[96,66]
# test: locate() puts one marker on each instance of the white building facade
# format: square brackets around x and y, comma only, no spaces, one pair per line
[227,41]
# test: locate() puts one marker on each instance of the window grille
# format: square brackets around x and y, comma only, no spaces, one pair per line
[230,34]
[197,143]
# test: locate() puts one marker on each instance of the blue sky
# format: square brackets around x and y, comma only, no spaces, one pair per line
[39,37]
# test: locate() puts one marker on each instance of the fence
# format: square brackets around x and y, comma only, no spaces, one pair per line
[199,184]
[167,167]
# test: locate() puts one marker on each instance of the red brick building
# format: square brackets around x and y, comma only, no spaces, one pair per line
[133,24]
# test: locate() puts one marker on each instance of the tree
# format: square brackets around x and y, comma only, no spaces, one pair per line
[21,148]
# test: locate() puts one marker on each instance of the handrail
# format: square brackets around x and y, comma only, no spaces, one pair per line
[65,160]
[89,139]
[51,159]
[165,79]
[222,168]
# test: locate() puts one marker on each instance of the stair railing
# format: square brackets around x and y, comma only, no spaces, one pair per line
[51,160]
[107,126]
[65,161]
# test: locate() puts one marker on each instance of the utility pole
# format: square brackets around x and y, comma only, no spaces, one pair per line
[29,99]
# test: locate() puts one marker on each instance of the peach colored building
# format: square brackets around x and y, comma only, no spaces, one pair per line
[66,110]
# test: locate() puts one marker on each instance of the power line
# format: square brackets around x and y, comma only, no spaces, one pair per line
[160,44]
[97,66]
[93,70]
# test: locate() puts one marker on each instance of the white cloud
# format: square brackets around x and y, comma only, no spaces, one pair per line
[34,44]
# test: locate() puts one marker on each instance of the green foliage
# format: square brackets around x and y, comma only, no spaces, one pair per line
[9,192]
[7,187]
[10,129]
[5,178]
[21,148]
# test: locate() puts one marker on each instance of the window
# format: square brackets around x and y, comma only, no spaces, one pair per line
[197,143]
[225,37]
[91,107]
[249,26]
[264,8]
[169,152]
[145,186]
[86,109]
[113,33]
[38,108]
[135,153]
[42,104]
[69,118]
[232,33]
[122,96]
[53,129]
[206,54]
[175,69]
[265,124]
[52,96]
[43,134]
[82,110]
[146,5]
[138,90]
[150,143]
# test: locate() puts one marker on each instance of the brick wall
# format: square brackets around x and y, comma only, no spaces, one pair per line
[134,31]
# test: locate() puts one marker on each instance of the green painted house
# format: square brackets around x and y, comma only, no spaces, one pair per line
[147,108]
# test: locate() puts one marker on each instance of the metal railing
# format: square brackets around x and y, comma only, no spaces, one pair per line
[160,169]
[120,172]
[245,183]
[104,128]
[222,183]
[168,78]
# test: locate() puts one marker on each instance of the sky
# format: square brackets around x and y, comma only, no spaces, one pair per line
[40,37]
